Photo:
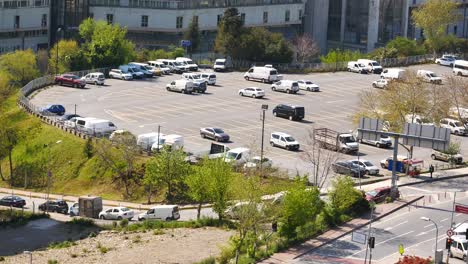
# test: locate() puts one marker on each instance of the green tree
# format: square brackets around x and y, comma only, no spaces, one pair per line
[89,148]
[383,53]
[193,34]
[5,86]
[167,168]
[158,54]
[9,137]
[120,156]
[346,199]
[198,183]
[105,45]
[406,47]
[433,17]
[20,66]
[338,55]
[300,206]
[221,180]
[69,57]
[229,30]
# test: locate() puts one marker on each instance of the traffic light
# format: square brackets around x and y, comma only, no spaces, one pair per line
[371,242]
[448,242]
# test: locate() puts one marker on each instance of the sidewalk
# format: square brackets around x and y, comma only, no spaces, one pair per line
[292,253]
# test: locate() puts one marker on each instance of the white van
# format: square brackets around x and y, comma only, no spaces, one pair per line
[283,140]
[460,68]
[371,65]
[458,248]
[161,66]
[237,156]
[146,141]
[456,127]
[96,78]
[354,66]
[429,76]
[94,126]
[192,66]
[286,86]
[174,65]
[393,74]
[222,65]
[172,140]
[209,77]
[183,86]
[161,212]
[264,74]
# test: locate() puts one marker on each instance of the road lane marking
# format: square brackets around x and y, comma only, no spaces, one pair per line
[418,189]
[390,228]
[443,220]
[439,238]
[426,226]
[428,231]
[407,233]
[336,101]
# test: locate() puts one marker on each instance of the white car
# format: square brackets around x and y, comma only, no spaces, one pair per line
[370,168]
[96,78]
[254,163]
[119,74]
[446,60]
[283,140]
[381,83]
[456,127]
[253,92]
[308,86]
[116,213]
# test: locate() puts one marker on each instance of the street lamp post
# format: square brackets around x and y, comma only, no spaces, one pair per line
[264,108]
[437,233]
[57,50]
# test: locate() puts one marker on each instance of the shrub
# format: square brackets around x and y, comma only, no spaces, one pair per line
[64,244]
[92,234]
[73,255]
[52,261]
[84,222]
[210,260]
[123,223]
[388,199]
[158,232]
[2,258]
[137,239]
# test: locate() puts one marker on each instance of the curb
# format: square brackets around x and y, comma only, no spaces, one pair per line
[362,225]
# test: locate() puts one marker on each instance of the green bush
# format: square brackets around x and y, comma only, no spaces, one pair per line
[84,222]
[52,261]
[123,223]
[64,244]
[18,217]
[210,260]
[338,55]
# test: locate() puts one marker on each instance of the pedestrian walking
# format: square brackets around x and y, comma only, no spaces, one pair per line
[431,169]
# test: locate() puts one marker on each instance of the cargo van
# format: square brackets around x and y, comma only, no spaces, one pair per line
[263,74]
[460,68]
[142,67]
[161,212]
[371,65]
[172,140]
[429,76]
[222,65]
[192,66]
[393,74]
[286,86]
[182,86]
[354,66]
[94,126]
[146,141]
[237,156]
[292,112]
[96,78]
[161,66]
[209,77]
[136,74]
[175,66]
[458,248]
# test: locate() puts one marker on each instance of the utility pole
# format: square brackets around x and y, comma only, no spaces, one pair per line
[57,50]
[159,130]
[264,108]
[394,190]
[369,235]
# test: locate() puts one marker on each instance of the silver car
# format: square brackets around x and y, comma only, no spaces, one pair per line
[370,168]
[253,92]
[116,213]
[214,133]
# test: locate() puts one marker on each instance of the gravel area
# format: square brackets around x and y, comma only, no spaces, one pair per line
[172,246]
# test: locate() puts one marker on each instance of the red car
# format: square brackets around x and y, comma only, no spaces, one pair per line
[71,80]
[378,195]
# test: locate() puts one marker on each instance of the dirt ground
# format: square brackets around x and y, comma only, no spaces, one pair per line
[173,246]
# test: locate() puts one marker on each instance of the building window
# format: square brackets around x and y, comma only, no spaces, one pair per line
[110,19]
[220,17]
[144,21]
[195,20]
[287,16]
[300,13]
[17,21]
[44,20]
[243,18]
[265,17]
[180,22]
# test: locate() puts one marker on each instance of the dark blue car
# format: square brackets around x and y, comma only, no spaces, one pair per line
[53,109]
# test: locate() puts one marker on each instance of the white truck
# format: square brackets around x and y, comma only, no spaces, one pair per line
[147,141]
[216,151]
[333,140]
[237,156]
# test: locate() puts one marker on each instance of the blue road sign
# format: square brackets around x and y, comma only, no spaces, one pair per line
[185,43]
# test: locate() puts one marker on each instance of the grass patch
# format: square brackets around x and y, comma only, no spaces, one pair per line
[13,218]
[52,261]
[102,248]
[59,245]
[210,260]
[158,225]
[84,222]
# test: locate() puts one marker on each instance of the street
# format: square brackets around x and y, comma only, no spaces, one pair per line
[405,227]
[142,105]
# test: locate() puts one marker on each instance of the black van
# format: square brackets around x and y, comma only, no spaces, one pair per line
[292,112]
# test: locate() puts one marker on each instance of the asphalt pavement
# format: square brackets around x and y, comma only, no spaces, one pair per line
[404,228]
[142,105]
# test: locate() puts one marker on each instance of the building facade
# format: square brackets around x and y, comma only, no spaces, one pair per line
[37,24]
[367,24]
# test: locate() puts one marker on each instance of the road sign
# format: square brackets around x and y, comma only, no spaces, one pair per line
[185,43]
[461,209]
[450,232]
[401,249]
[359,238]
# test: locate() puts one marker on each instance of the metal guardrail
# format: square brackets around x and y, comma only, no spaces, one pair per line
[50,118]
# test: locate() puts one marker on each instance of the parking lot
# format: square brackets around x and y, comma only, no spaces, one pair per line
[142,105]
